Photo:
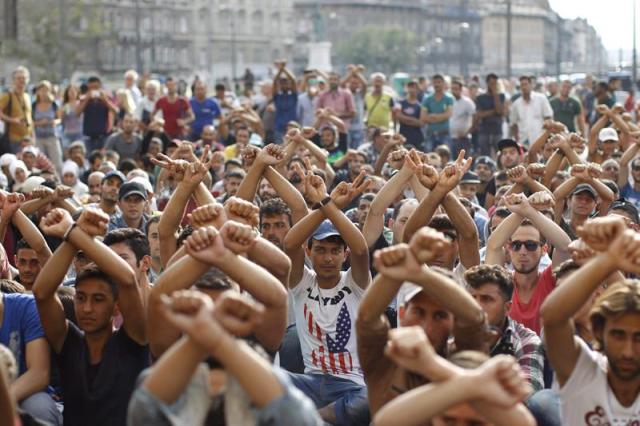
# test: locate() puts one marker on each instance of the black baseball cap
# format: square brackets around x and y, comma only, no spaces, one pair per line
[132,188]
[470,177]
[585,187]
[626,206]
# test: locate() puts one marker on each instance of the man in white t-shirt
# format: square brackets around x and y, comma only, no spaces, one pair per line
[598,387]
[528,113]
[326,301]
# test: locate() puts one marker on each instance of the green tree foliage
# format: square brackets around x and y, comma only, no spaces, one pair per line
[387,49]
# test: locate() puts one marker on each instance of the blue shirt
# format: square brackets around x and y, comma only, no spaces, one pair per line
[286,105]
[631,195]
[20,325]
[435,106]
[205,112]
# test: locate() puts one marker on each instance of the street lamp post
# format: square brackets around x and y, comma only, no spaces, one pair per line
[509,39]
[464,39]
[232,27]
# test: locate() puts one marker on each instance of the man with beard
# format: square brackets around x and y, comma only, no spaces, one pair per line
[109,188]
[525,233]
[585,189]
[492,287]
[598,387]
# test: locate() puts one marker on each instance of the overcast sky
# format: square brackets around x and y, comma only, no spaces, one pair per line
[612,19]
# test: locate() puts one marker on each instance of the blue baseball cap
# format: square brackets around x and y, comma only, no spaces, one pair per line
[325,230]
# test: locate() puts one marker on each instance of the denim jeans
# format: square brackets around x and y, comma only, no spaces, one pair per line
[356,138]
[94,142]
[545,407]
[434,139]
[458,144]
[350,398]
[488,143]
[41,406]
[290,351]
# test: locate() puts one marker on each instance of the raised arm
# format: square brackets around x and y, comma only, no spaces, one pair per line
[597,126]
[622,249]
[52,317]
[289,194]
[29,231]
[627,157]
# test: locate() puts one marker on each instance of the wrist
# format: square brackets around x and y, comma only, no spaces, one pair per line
[321,205]
[68,232]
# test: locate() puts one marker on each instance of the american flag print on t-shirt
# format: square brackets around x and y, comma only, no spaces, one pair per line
[334,358]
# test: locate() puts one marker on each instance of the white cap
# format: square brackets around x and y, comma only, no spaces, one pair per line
[7,159]
[608,134]
[30,149]
[31,183]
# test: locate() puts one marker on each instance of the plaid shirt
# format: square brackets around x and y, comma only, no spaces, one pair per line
[525,345]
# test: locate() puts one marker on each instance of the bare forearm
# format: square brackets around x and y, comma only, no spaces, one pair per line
[32,381]
[31,235]
[289,194]
[249,185]
[499,238]
[302,230]
[423,214]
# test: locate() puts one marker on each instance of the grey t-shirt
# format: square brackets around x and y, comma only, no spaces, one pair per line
[126,149]
[461,116]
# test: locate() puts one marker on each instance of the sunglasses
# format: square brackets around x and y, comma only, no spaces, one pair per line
[529,245]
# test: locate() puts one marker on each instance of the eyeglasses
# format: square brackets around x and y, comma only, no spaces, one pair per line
[529,245]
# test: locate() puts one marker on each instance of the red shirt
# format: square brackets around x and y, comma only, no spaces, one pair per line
[171,112]
[528,314]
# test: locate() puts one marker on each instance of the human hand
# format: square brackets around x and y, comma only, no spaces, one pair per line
[56,223]
[208,215]
[603,109]
[518,174]
[413,163]
[518,203]
[536,170]
[176,168]
[398,139]
[560,142]
[410,349]
[599,233]
[237,237]
[452,174]
[94,222]
[237,314]
[580,251]
[580,171]
[427,243]
[249,155]
[397,262]
[617,109]
[625,252]
[41,192]
[11,203]
[62,193]
[500,381]
[541,200]
[242,211]
[314,187]
[271,155]
[309,132]
[576,141]
[196,171]
[205,245]
[396,159]
[594,170]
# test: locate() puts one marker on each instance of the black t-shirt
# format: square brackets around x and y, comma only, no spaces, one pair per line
[96,118]
[102,401]
[338,150]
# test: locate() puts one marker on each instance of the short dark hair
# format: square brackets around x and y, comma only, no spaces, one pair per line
[152,220]
[437,77]
[232,161]
[93,79]
[126,165]
[22,244]
[93,272]
[94,155]
[238,174]
[275,207]
[527,222]
[480,275]
[184,234]
[525,77]
[441,222]
[458,82]
[220,86]
[133,238]
[491,76]
[565,268]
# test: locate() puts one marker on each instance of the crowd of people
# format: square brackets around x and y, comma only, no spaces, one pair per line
[323,250]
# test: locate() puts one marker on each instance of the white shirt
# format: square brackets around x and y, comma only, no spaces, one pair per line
[326,325]
[461,117]
[529,116]
[587,399]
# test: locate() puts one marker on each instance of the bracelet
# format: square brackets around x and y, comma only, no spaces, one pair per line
[65,237]
[322,203]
